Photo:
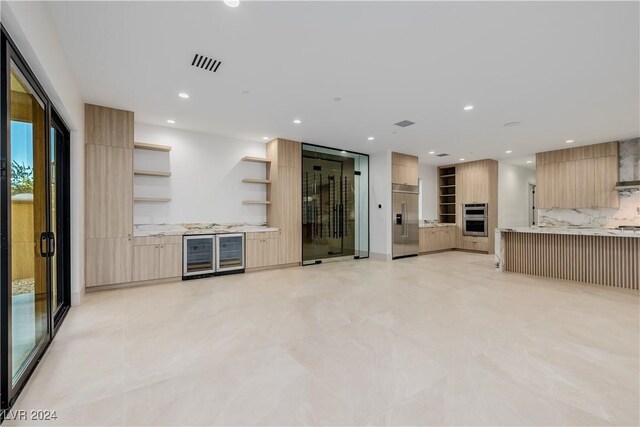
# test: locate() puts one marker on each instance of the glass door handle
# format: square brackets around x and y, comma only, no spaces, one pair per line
[43,245]
[52,243]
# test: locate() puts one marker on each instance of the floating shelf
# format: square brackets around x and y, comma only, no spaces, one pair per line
[447,203]
[152,147]
[447,186]
[448,195]
[256,181]
[448,176]
[152,199]
[448,214]
[151,173]
[256,202]
[255,159]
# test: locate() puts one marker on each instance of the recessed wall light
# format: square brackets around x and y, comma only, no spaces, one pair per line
[432,152]
[171,122]
[297,121]
[569,141]
[371,138]
[462,160]
[508,151]
[232,3]
[183,95]
[468,107]
[529,161]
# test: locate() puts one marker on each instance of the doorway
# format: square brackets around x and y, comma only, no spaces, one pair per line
[34,258]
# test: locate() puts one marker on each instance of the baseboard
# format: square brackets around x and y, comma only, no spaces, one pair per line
[272,267]
[133,284]
[379,256]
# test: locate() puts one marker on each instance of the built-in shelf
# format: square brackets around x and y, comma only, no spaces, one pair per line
[447,186]
[448,214]
[256,202]
[152,199]
[256,181]
[448,195]
[152,147]
[255,159]
[448,176]
[151,173]
[447,203]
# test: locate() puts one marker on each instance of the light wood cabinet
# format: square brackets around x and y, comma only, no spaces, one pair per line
[404,169]
[581,177]
[262,251]
[475,243]
[109,192]
[108,126]
[285,194]
[437,238]
[108,261]
[161,261]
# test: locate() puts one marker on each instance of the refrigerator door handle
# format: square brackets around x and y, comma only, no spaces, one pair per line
[403,210]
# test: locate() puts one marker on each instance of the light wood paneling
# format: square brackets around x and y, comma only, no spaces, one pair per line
[151,262]
[108,126]
[603,260]
[108,192]
[580,177]
[404,169]
[108,261]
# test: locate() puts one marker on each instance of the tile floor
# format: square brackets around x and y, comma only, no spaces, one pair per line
[442,339]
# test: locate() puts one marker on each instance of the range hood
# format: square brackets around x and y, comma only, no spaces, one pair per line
[627,185]
[629,162]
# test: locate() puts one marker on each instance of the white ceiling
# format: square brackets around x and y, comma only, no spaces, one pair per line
[567,70]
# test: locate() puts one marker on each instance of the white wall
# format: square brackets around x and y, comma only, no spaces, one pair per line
[206,178]
[428,176]
[30,26]
[513,194]
[380,194]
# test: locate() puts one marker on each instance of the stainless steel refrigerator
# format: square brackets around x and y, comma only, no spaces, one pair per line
[405,221]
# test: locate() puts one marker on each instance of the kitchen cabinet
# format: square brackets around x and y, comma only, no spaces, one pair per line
[159,261]
[108,261]
[581,177]
[263,249]
[404,169]
[108,126]
[475,243]
[437,238]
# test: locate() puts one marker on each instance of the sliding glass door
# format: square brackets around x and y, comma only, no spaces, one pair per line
[34,295]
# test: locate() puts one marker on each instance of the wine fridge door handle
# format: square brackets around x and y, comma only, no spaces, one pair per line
[52,243]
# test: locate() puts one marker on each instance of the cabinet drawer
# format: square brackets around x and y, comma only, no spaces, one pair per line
[157,240]
[262,235]
[151,262]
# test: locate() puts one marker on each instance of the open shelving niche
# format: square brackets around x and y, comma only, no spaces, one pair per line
[162,174]
[447,194]
[266,181]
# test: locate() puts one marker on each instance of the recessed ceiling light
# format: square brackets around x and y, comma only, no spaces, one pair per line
[371,138]
[508,151]
[569,141]
[171,122]
[297,121]
[183,95]
[432,152]
[245,92]
[529,161]
[266,138]
[337,99]
[468,107]
[462,160]
[232,3]
[511,124]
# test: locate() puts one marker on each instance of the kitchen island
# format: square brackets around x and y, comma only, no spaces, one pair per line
[602,256]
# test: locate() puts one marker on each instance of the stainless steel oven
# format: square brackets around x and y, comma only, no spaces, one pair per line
[199,254]
[475,219]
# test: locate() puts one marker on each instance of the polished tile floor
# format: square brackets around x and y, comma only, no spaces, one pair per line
[442,339]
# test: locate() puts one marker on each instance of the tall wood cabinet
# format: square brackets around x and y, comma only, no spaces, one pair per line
[580,177]
[108,195]
[285,194]
[404,169]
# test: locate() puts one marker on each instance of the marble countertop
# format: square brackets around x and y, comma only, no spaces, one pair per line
[423,224]
[147,230]
[573,231]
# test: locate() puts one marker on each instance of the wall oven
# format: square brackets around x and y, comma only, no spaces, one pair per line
[198,256]
[475,219]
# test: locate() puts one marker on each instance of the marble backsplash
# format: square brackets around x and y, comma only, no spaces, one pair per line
[627,214]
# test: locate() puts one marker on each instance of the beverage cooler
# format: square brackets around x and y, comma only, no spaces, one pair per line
[212,254]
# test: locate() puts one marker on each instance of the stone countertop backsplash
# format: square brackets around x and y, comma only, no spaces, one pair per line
[145,230]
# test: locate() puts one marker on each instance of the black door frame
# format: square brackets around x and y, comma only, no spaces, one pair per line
[10,54]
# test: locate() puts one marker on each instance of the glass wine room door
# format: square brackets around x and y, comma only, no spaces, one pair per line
[34,269]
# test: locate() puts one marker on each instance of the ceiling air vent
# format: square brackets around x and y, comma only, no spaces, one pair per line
[405,123]
[205,63]
[443,155]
